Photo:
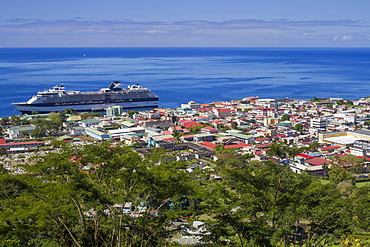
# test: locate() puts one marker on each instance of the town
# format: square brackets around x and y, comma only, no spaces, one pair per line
[249,125]
[247,157]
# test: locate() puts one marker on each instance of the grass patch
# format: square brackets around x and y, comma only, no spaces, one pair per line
[363,184]
[322,181]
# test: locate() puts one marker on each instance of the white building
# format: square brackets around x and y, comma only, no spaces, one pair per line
[319,124]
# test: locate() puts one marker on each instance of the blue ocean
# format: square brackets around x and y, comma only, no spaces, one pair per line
[178,75]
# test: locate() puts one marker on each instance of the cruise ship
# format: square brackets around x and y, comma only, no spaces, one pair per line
[59,99]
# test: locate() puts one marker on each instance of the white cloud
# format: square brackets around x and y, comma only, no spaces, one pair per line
[245,32]
[343,38]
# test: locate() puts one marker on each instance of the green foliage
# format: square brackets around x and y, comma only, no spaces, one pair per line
[316,99]
[195,129]
[132,113]
[234,125]
[16,120]
[285,117]
[339,174]
[298,127]
[61,205]
[89,114]
[66,198]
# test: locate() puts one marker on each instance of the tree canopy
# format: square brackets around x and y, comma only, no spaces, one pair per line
[75,197]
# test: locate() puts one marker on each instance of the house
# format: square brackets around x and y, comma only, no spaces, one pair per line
[204,137]
[96,134]
[270,121]
[189,124]
[317,161]
[89,122]
[77,131]
[20,146]
[224,112]
[208,145]
[242,137]
[19,131]
[209,130]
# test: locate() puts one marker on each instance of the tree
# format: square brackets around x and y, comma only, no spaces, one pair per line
[219,149]
[25,134]
[278,149]
[89,114]
[325,168]
[132,113]
[340,102]
[298,127]
[285,117]
[265,204]
[58,204]
[339,174]
[195,129]
[351,162]
[367,124]
[176,135]
[316,99]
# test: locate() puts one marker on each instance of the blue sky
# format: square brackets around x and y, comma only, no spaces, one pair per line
[180,23]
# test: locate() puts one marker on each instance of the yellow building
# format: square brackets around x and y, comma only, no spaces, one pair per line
[344,138]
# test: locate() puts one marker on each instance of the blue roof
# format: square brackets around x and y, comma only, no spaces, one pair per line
[314,154]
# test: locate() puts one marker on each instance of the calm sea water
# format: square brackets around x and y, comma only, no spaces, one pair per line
[178,75]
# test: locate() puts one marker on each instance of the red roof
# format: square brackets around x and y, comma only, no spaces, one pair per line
[317,161]
[191,124]
[169,140]
[262,145]
[262,139]
[239,145]
[306,156]
[20,143]
[224,110]
[205,109]
[362,157]
[188,136]
[208,144]
[330,147]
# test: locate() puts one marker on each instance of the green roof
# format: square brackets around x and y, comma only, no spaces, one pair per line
[64,138]
[240,135]
[95,131]
[90,120]
[137,134]
[129,123]
[204,134]
[23,128]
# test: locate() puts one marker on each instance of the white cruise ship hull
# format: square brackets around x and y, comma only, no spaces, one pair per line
[29,108]
[58,99]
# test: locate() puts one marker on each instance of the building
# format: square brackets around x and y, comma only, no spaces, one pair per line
[344,138]
[204,137]
[89,122]
[361,148]
[19,146]
[114,111]
[318,124]
[96,134]
[19,131]
[224,112]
